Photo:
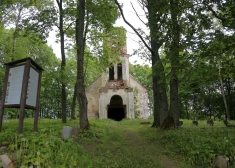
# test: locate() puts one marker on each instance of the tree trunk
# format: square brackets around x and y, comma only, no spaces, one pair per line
[16,33]
[174,100]
[74,102]
[82,99]
[14,45]
[210,92]
[160,105]
[63,61]
[156,99]
[224,97]
[228,85]
[174,58]
[159,90]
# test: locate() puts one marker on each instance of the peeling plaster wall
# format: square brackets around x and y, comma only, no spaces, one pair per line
[142,97]
[92,93]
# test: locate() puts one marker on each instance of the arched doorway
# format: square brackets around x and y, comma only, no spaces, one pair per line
[116,109]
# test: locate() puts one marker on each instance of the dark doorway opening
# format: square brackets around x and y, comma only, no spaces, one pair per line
[116,109]
[116,114]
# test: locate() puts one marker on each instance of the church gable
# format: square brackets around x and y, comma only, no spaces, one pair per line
[94,85]
[112,95]
[135,83]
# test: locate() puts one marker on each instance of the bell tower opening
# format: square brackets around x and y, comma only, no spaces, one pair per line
[116,109]
[111,73]
[119,71]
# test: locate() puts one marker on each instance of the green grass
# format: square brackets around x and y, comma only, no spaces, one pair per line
[116,144]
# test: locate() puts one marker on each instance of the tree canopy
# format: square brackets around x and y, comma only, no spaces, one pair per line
[190,45]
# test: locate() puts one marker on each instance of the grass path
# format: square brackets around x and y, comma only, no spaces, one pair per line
[152,151]
[130,148]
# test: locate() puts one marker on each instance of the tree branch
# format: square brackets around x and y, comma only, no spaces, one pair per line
[138,15]
[84,38]
[120,9]
[133,39]
[143,5]
[58,3]
[69,26]
[215,14]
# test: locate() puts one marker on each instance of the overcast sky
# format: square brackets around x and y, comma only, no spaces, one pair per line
[131,37]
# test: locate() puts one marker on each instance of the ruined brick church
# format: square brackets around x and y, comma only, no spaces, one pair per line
[116,94]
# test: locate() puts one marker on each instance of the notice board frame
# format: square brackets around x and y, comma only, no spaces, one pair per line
[28,64]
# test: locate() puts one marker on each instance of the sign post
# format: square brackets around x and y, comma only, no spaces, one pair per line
[21,89]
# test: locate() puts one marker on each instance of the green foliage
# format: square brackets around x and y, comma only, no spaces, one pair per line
[102,13]
[29,17]
[202,81]
[92,67]
[198,145]
[224,11]
[98,147]
[194,39]
[107,45]
[44,148]
[189,145]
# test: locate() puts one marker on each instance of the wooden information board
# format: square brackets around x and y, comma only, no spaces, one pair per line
[21,89]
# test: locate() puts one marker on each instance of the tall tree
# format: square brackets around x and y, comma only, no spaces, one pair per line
[91,72]
[224,12]
[155,15]
[156,41]
[168,32]
[174,50]
[82,99]
[63,60]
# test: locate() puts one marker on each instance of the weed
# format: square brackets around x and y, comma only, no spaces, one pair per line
[117,144]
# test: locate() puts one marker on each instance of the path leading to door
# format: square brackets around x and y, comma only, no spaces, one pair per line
[147,151]
[128,147]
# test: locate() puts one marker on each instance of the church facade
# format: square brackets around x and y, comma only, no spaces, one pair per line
[116,94]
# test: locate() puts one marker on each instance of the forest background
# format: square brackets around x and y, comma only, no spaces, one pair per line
[190,46]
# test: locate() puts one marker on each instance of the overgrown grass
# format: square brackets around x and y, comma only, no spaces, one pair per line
[197,145]
[116,144]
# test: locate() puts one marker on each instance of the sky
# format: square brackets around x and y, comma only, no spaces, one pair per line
[132,38]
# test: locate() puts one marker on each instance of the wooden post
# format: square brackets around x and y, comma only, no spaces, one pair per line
[36,113]
[4,95]
[23,95]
